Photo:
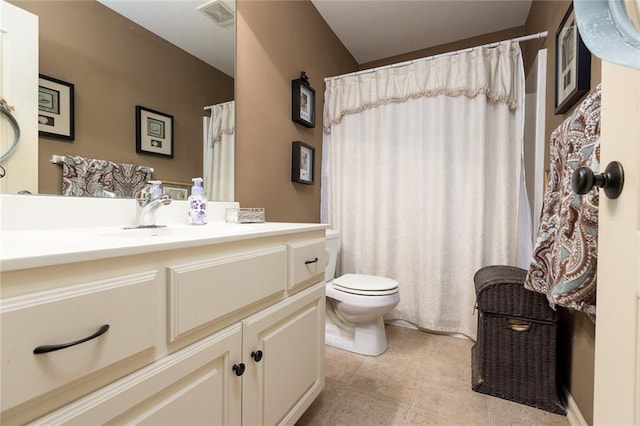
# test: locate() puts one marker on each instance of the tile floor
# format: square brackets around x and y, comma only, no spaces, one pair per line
[422,379]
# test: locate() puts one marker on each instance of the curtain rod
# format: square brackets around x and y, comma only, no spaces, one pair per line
[542,34]
[210,107]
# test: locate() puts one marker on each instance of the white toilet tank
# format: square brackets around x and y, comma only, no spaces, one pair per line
[332,253]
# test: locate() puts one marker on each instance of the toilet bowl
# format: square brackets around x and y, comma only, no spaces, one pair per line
[356,304]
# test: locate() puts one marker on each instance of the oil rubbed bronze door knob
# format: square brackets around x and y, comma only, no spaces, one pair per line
[612,180]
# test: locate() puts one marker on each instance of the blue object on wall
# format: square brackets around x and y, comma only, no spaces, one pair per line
[608,30]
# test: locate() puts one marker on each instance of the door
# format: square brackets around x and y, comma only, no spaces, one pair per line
[280,383]
[617,354]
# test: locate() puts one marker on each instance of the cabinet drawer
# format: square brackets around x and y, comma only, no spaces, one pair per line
[128,304]
[307,262]
[202,292]
[194,386]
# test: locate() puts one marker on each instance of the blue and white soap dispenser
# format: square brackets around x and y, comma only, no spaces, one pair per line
[197,203]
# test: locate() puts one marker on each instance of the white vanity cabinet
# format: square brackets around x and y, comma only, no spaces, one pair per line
[285,369]
[229,333]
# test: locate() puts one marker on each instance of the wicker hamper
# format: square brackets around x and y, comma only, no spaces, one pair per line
[515,355]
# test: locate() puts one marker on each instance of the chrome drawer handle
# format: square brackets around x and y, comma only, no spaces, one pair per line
[52,348]
[307,262]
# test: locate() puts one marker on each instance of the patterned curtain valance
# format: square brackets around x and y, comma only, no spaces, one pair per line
[489,71]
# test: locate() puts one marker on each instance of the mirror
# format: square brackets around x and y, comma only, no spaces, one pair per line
[116,65]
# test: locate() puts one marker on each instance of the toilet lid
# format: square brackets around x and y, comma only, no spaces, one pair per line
[369,285]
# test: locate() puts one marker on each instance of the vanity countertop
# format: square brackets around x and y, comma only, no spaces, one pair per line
[38,231]
[23,249]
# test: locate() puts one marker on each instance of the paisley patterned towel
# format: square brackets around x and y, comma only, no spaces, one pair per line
[565,254]
[87,177]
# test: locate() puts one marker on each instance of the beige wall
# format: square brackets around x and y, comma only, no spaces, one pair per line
[116,65]
[276,40]
[577,331]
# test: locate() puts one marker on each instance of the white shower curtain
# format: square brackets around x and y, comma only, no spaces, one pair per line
[422,178]
[219,152]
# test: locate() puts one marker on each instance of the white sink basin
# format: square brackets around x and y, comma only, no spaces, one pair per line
[146,233]
[181,231]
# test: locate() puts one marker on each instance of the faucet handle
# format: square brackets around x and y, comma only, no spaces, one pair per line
[144,196]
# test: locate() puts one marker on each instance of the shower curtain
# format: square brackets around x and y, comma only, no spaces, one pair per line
[423,178]
[219,152]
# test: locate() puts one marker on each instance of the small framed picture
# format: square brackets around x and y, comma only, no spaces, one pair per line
[302,163]
[154,132]
[303,99]
[573,64]
[55,108]
[176,190]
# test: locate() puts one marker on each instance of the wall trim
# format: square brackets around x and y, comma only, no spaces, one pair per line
[574,416]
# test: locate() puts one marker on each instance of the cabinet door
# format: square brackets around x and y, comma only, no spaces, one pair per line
[279,387]
[195,385]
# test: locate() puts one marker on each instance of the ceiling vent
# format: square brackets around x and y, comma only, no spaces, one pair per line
[218,11]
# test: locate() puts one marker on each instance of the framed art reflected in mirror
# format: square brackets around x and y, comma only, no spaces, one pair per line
[154,132]
[55,108]
[176,190]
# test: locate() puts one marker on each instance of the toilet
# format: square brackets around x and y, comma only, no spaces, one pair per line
[355,306]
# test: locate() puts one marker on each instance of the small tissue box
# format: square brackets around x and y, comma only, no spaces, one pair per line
[246,215]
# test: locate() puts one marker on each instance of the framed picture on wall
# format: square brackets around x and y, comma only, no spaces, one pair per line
[55,108]
[573,64]
[303,99]
[154,132]
[302,158]
[176,190]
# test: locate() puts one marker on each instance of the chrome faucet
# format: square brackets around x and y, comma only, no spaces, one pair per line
[148,202]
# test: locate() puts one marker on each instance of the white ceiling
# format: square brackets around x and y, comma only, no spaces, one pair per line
[377,29]
[369,29]
[181,23]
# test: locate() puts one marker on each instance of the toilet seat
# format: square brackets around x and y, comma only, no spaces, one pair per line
[365,285]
